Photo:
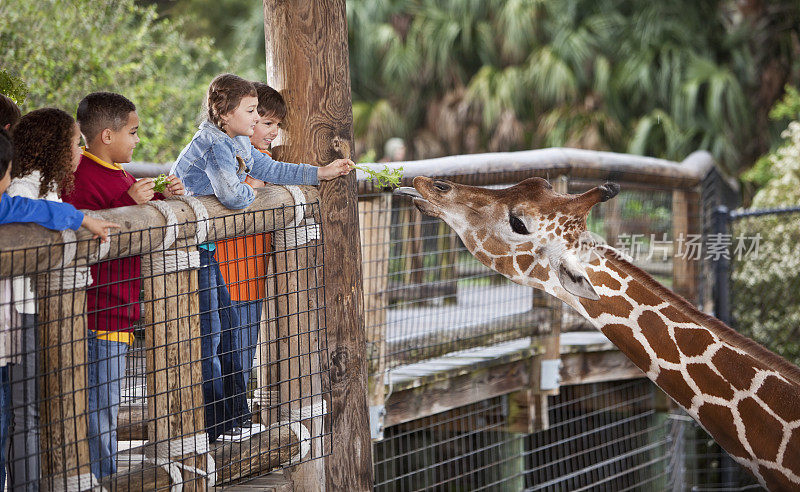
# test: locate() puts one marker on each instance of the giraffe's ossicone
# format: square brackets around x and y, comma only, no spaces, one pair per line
[745,396]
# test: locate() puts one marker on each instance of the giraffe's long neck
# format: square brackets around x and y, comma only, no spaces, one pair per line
[746,397]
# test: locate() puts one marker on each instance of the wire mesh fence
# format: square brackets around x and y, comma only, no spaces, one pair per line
[165,358]
[602,436]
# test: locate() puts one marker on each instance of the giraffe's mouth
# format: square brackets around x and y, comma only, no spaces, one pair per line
[420,202]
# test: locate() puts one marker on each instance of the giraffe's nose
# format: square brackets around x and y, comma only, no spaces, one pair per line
[610,190]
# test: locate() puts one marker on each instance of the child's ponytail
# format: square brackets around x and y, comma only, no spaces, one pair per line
[224,94]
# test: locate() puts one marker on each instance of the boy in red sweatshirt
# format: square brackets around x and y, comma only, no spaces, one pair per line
[109,125]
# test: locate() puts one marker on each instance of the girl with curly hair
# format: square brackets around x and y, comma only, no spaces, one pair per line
[47,152]
[47,148]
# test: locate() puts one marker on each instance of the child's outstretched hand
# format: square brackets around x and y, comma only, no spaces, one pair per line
[337,168]
[174,187]
[99,227]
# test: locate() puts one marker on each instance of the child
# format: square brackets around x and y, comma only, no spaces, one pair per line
[109,125]
[47,147]
[242,260]
[56,216]
[216,162]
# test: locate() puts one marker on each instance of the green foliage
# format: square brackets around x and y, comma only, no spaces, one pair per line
[788,108]
[160,183]
[386,177]
[66,49]
[766,304]
[656,78]
[13,87]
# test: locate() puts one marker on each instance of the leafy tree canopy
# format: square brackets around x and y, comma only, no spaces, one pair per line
[65,49]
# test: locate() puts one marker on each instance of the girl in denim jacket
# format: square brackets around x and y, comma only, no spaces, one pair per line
[216,162]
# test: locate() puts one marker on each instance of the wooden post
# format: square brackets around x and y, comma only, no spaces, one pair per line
[266,364]
[685,225]
[63,406]
[173,359]
[307,59]
[301,348]
[375,213]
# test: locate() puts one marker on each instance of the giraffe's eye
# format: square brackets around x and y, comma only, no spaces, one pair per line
[517,225]
[441,185]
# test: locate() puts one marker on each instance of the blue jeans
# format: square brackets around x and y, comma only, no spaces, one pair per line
[223,384]
[106,368]
[23,449]
[249,318]
[5,421]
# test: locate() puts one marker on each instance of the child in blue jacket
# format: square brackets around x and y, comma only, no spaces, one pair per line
[52,215]
[216,162]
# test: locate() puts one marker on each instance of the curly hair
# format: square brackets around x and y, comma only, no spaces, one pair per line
[224,94]
[43,142]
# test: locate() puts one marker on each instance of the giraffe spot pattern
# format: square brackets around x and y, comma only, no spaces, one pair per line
[719,417]
[709,382]
[603,279]
[693,342]
[483,257]
[540,272]
[524,262]
[494,246]
[628,345]
[673,314]
[655,331]
[643,296]
[505,265]
[774,480]
[524,247]
[614,305]
[673,383]
[762,430]
[777,393]
[792,460]
[736,368]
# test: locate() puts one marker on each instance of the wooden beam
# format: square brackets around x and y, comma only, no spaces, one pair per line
[252,457]
[501,329]
[143,230]
[307,60]
[487,382]
[511,167]
[597,367]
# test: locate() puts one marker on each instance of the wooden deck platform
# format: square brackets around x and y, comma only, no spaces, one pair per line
[425,388]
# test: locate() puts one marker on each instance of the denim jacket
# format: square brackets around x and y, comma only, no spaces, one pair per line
[209,165]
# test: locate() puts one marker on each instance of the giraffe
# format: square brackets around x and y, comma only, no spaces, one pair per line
[742,394]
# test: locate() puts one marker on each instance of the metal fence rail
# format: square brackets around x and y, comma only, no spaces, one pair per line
[124,364]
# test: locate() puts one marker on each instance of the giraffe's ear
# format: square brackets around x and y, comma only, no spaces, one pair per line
[574,279]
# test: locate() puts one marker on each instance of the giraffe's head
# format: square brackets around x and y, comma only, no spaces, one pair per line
[527,232]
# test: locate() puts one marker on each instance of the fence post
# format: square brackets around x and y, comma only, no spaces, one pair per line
[63,406]
[173,361]
[307,59]
[685,224]
[375,214]
[301,345]
[722,269]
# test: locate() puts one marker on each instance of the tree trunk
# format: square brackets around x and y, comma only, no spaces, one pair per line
[307,60]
